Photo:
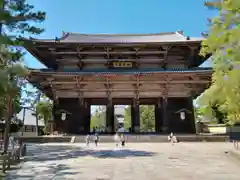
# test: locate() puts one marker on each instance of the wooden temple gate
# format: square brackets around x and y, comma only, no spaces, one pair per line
[85,70]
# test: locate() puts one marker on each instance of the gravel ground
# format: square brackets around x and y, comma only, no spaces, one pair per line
[141,161]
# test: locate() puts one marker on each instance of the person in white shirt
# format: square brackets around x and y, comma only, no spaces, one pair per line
[116,139]
[172,138]
[87,140]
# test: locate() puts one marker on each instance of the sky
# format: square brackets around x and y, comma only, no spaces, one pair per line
[120,16]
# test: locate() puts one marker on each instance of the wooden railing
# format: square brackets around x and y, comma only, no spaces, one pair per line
[13,156]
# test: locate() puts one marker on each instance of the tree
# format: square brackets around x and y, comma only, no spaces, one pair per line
[211,111]
[16,17]
[98,118]
[147,117]
[223,41]
[127,117]
[44,109]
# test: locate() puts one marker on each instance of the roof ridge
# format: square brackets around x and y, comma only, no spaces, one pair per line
[111,34]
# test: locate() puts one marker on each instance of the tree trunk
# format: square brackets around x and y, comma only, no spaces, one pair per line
[7,124]
[24,114]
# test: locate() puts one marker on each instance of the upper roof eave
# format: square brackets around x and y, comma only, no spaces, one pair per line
[41,41]
[158,38]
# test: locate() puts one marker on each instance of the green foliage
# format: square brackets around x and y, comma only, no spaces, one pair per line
[223,41]
[212,111]
[16,18]
[147,118]
[98,118]
[44,109]
[16,124]
[127,117]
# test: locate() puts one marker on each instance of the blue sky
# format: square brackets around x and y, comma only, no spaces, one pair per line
[120,16]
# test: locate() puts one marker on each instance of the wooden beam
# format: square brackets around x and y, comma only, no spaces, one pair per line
[103,60]
[163,90]
[131,82]
[104,90]
[110,52]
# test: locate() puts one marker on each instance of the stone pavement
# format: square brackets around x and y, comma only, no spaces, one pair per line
[140,161]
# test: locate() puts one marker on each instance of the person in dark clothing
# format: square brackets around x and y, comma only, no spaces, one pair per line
[122,140]
[96,139]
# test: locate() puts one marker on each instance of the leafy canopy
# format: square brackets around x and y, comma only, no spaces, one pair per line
[17,18]
[223,41]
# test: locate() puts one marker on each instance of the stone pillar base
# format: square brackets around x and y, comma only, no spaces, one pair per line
[109,129]
[136,128]
[164,129]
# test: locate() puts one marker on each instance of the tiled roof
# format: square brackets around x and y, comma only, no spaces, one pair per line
[121,72]
[122,38]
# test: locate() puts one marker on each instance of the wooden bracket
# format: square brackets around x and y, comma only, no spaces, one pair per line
[136,101]
[166,48]
[80,64]
[78,82]
[108,49]
[165,92]
[81,97]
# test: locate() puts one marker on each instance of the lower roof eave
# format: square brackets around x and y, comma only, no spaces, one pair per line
[68,72]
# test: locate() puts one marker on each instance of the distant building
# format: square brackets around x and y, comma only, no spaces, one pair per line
[28,117]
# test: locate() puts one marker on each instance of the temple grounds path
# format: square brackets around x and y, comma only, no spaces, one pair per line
[140,161]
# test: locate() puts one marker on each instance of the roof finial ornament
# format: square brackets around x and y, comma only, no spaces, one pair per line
[63,33]
[57,39]
[180,32]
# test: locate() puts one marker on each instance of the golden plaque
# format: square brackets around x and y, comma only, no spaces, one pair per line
[122,64]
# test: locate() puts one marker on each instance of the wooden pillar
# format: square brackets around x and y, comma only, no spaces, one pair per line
[50,126]
[158,118]
[132,117]
[165,127]
[135,116]
[54,117]
[110,117]
[191,115]
[87,117]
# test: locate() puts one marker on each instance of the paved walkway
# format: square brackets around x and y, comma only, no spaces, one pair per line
[183,161]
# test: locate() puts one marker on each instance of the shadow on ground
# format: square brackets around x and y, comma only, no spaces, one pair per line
[49,170]
[53,152]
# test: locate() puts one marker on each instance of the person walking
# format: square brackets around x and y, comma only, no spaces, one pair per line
[116,139]
[87,140]
[96,139]
[172,138]
[122,140]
